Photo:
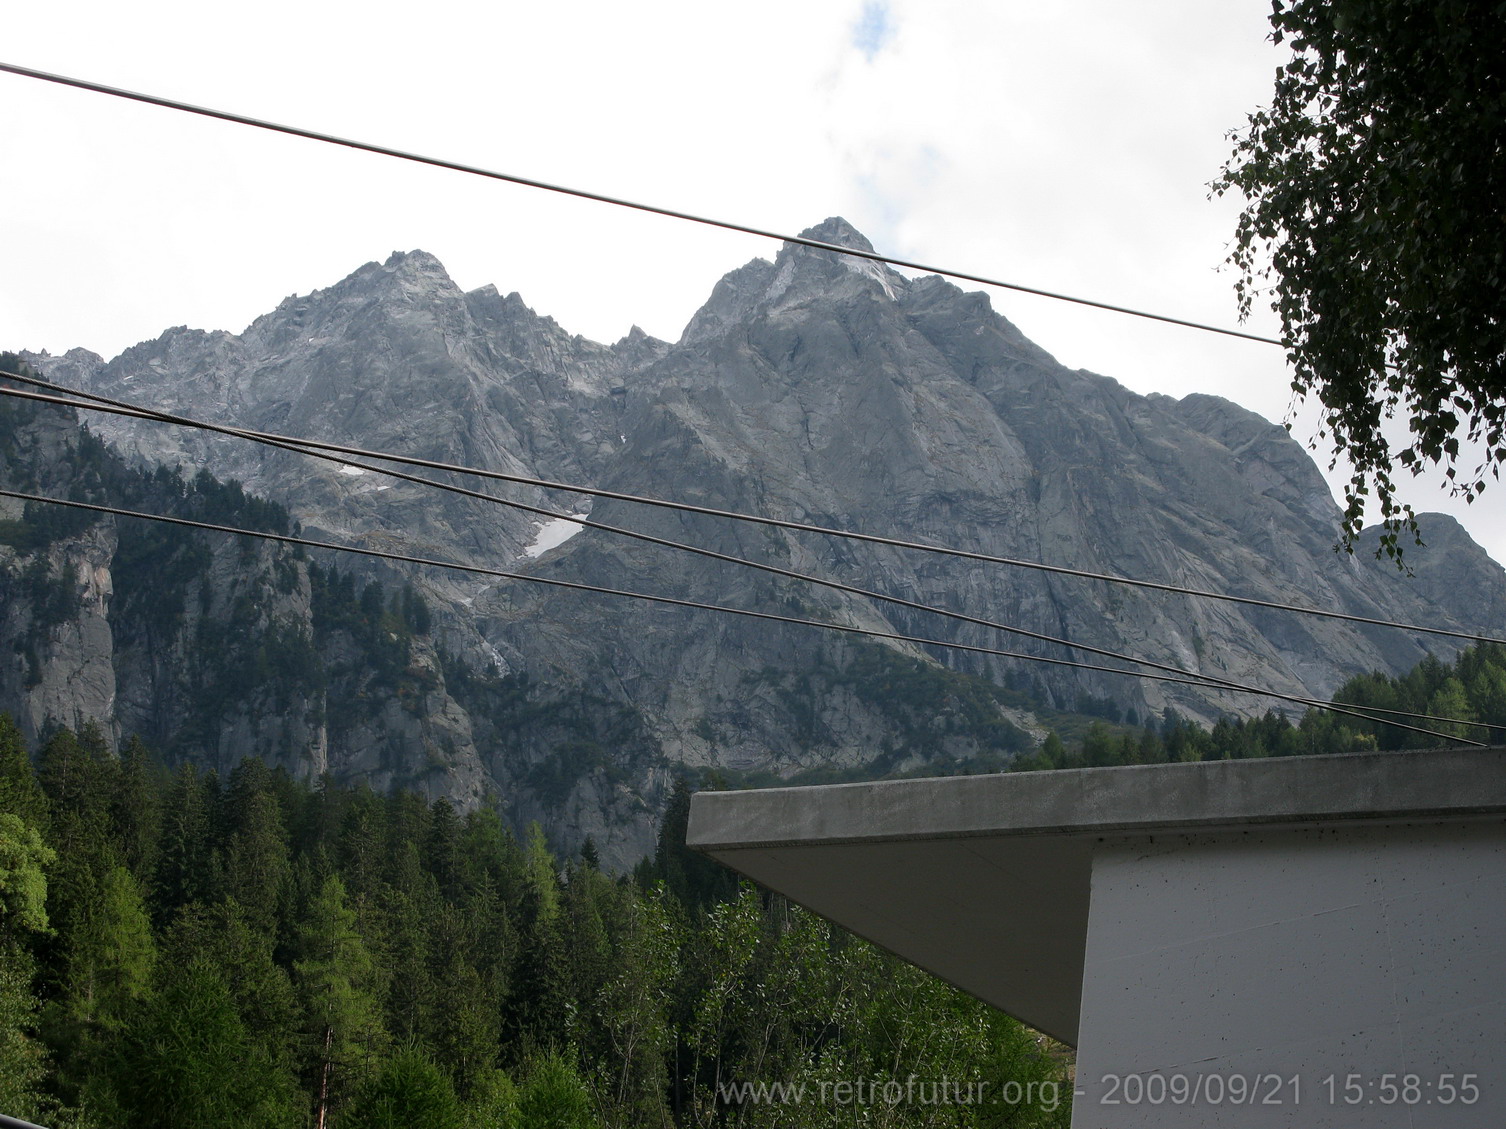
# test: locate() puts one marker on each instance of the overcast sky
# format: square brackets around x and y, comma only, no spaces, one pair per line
[1066,146]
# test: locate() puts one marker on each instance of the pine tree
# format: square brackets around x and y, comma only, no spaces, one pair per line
[186,871]
[555,1096]
[257,866]
[136,809]
[187,1061]
[406,1091]
[20,794]
[540,979]
[336,978]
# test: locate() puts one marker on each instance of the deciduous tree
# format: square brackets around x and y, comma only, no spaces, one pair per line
[1374,183]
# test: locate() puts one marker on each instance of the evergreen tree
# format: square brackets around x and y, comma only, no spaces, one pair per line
[257,870]
[360,846]
[406,1091]
[466,1030]
[493,1103]
[412,997]
[136,809]
[695,880]
[187,871]
[537,1007]
[20,794]
[441,848]
[77,774]
[336,978]
[113,952]
[265,1000]
[186,1061]
[555,1096]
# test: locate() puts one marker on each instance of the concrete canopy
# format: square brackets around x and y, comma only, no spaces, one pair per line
[986,880]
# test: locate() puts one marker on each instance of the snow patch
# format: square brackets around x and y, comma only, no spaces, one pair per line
[353,471]
[553,534]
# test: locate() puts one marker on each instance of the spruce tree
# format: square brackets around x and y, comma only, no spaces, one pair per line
[20,794]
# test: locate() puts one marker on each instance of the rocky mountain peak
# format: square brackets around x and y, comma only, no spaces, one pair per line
[823,269]
[821,387]
[839,233]
[415,263]
[417,275]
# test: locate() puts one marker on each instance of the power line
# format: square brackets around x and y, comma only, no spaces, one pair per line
[1190,678]
[481,570]
[790,574]
[847,589]
[123,407]
[601,198]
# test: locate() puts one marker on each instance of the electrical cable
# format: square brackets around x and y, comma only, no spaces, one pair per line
[601,198]
[847,589]
[789,574]
[481,570]
[123,407]
[1194,679]
[1191,678]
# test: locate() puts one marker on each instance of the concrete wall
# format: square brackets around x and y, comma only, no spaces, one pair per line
[1300,971]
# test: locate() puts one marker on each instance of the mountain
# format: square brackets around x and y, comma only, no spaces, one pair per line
[215,648]
[816,388]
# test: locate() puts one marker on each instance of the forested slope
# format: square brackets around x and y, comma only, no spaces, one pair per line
[182,950]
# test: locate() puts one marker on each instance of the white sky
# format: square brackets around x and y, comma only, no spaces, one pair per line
[1064,145]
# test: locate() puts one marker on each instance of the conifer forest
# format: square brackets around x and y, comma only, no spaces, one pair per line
[178,949]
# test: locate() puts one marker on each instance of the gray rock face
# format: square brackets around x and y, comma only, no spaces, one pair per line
[54,598]
[816,388]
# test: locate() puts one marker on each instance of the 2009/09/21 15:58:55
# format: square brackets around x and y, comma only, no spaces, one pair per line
[1217,1089]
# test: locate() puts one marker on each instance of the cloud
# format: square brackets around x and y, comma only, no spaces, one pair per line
[874,29]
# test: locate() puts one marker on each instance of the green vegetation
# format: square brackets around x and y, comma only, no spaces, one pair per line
[1374,184]
[942,717]
[178,950]
[1472,690]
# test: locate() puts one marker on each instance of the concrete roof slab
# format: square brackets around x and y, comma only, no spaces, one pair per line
[985,880]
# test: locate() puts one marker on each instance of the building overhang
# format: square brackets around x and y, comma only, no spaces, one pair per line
[986,880]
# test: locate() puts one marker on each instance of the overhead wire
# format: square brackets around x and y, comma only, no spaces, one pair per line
[306,445]
[406,558]
[603,198]
[1185,676]
[124,407]
[588,523]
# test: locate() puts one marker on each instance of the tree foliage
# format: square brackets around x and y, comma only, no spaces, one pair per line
[278,954]
[1374,184]
[187,1061]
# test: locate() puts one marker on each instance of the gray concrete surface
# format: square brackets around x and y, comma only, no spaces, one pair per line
[1350,975]
[987,881]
